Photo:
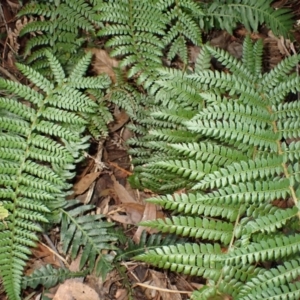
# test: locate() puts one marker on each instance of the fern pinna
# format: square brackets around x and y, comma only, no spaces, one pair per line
[240,167]
[42,137]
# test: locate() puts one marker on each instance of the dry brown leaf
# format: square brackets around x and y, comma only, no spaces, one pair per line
[120,119]
[84,183]
[41,252]
[103,63]
[14,34]
[121,192]
[150,213]
[123,219]
[194,53]
[14,4]
[72,289]
[159,280]
[121,294]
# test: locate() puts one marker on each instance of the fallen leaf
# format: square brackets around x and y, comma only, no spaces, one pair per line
[149,214]
[84,183]
[121,294]
[42,252]
[121,192]
[103,63]
[72,289]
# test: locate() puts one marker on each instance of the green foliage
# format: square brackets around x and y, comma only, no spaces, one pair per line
[42,137]
[146,242]
[89,234]
[239,167]
[49,277]
[214,141]
[250,13]
[135,29]
[140,31]
[58,28]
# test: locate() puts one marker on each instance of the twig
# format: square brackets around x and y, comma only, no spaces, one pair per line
[161,289]
[53,250]
[10,76]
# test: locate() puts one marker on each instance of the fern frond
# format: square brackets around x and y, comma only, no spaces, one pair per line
[59,30]
[250,13]
[135,27]
[194,227]
[242,172]
[210,153]
[268,279]
[186,259]
[39,158]
[233,133]
[193,204]
[183,26]
[49,277]
[81,231]
[246,140]
[266,250]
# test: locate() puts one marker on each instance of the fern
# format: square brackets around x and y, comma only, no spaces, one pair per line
[134,33]
[88,233]
[42,136]
[241,160]
[250,13]
[58,29]
[49,277]
[43,133]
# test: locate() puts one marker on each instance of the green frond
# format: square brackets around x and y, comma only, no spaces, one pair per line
[193,259]
[181,17]
[56,67]
[81,231]
[61,28]
[40,145]
[291,151]
[270,223]
[268,279]
[230,62]
[209,152]
[276,248]
[233,133]
[81,67]
[194,227]
[203,60]
[49,277]
[37,9]
[135,27]
[193,170]
[148,242]
[286,110]
[279,72]
[250,13]
[243,159]
[239,112]
[289,291]
[243,171]
[172,136]
[195,204]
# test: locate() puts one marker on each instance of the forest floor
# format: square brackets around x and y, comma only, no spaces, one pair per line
[102,177]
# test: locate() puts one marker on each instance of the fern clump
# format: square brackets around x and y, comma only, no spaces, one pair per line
[251,13]
[60,27]
[42,137]
[239,170]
